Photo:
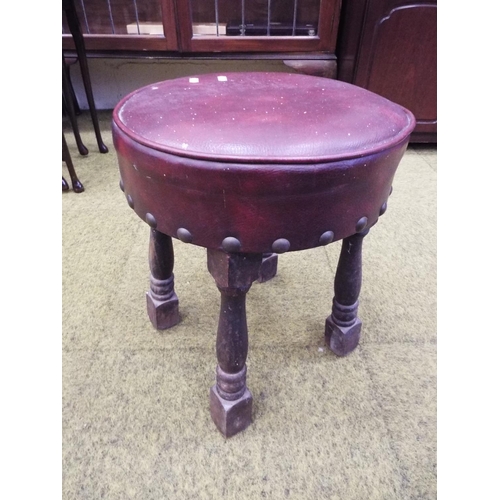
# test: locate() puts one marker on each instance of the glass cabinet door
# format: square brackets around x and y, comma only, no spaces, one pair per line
[207,25]
[258,25]
[125,24]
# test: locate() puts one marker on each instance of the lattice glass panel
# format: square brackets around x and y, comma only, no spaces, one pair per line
[118,17]
[255,17]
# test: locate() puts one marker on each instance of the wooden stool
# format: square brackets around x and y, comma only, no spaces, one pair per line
[249,165]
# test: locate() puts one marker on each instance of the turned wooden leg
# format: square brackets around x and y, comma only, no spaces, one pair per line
[230,399]
[343,327]
[268,268]
[162,302]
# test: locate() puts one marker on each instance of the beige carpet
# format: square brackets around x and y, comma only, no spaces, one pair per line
[136,423]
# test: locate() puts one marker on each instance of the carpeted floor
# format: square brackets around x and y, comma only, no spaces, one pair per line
[136,423]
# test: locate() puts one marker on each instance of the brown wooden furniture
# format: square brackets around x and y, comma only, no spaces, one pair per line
[390,47]
[248,165]
[301,32]
[66,158]
[73,23]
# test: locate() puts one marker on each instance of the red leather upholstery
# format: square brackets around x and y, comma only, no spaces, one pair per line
[258,157]
[262,117]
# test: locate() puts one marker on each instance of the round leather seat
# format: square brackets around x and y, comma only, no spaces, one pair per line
[258,158]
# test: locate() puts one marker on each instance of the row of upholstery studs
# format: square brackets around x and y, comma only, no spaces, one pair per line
[231,244]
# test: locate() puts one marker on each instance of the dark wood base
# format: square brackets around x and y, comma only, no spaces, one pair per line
[230,400]
[231,417]
[163,309]
[161,299]
[342,339]
[343,327]
[268,268]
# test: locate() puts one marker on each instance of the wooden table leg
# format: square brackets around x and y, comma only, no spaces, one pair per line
[66,66]
[161,299]
[68,102]
[74,27]
[343,327]
[66,157]
[230,399]
[268,268]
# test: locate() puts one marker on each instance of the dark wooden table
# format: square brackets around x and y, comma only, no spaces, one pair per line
[250,165]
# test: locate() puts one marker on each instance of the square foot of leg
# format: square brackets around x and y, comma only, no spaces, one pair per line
[268,268]
[342,339]
[164,314]
[231,417]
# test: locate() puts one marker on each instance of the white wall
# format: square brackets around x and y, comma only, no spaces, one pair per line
[113,79]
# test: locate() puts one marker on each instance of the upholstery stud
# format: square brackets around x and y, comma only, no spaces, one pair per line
[361,224]
[184,235]
[326,238]
[281,245]
[151,220]
[231,244]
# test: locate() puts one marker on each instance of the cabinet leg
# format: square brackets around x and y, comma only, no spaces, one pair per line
[230,399]
[161,299]
[343,327]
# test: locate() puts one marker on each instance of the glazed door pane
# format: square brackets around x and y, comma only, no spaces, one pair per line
[119,17]
[208,26]
[265,18]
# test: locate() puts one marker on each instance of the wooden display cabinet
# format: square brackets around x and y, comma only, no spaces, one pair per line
[258,25]
[386,46]
[125,25]
[214,26]
[390,48]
